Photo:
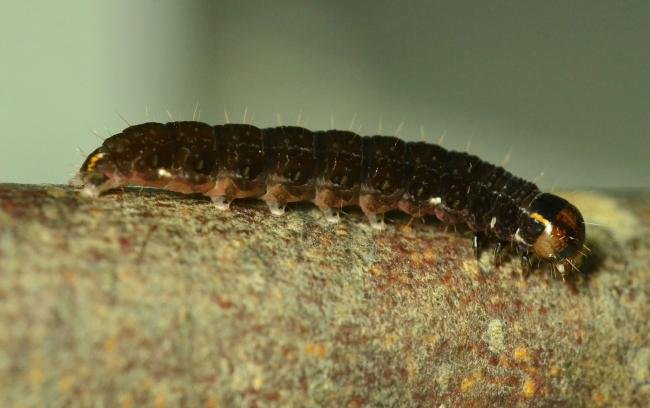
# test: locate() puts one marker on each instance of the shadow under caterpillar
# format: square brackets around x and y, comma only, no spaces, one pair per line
[334,169]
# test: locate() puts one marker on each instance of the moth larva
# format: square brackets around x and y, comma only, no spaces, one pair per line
[334,169]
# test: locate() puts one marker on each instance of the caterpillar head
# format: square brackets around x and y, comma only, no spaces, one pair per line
[560,231]
[93,174]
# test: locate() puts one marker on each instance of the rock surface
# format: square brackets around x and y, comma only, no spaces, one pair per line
[148,298]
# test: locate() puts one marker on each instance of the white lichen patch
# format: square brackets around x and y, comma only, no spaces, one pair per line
[640,366]
[495,335]
[444,375]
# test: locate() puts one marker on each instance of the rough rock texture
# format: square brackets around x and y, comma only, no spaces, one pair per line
[148,298]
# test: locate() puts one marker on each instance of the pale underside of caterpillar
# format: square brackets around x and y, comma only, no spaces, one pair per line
[335,169]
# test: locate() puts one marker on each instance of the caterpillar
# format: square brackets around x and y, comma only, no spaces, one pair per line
[335,169]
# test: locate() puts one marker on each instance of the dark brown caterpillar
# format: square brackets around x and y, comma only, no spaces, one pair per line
[334,169]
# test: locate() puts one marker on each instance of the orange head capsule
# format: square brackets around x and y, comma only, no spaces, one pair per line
[561,230]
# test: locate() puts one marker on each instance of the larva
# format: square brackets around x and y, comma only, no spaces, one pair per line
[334,169]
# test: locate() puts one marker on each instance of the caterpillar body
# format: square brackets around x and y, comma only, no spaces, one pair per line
[334,169]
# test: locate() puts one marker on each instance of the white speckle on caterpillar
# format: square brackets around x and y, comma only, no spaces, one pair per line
[164,173]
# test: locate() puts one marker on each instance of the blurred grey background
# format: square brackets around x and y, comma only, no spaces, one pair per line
[564,85]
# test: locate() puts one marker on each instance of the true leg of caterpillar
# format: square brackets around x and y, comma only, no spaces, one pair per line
[526,266]
[554,270]
[479,240]
[413,218]
[477,245]
[498,249]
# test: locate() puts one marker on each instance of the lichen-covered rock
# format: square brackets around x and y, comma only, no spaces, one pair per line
[148,298]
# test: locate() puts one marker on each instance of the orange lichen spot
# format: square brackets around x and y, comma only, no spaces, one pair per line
[389,341]
[375,271]
[315,350]
[416,258]
[110,344]
[126,401]
[222,301]
[429,255]
[599,397]
[211,403]
[257,383]
[147,384]
[341,231]
[69,277]
[469,382]
[356,402]
[521,354]
[504,361]
[35,376]
[325,241]
[522,283]
[95,211]
[528,388]
[160,401]
[471,267]
[412,366]
[532,370]
[290,356]
[65,383]
[406,228]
